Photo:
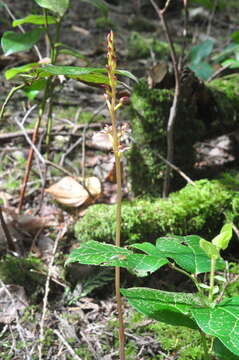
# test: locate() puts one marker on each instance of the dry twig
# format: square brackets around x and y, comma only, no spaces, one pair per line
[174,107]
[67,345]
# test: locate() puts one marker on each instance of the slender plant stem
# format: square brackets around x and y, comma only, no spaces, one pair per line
[204,344]
[174,107]
[118,225]
[212,278]
[31,150]
[8,98]
[194,280]
[111,102]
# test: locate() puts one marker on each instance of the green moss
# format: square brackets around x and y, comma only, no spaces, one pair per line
[20,271]
[140,46]
[210,111]
[225,93]
[149,117]
[176,339]
[193,210]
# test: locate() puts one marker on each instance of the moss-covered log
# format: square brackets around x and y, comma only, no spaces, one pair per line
[196,209]
[205,110]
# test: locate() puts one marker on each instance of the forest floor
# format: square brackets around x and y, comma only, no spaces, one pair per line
[79,316]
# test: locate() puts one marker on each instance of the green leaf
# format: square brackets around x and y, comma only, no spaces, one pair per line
[168,307]
[222,321]
[235,36]
[75,53]
[210,249]
[221,241]
[13,42]
[33,90]
[95,75]
[148,248]
[222,352]
[231,63]
[96,253]
[34,19]
[11,73]
[202,70]
[228,50]
[127,74]
[143,265]
[85,74]
[200,51]
[186,252]
[57,6]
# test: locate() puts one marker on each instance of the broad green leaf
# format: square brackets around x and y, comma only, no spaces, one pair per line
[13,42]
[168,307]
[186,252]
[71,71]
[34,19]
[221,241]
[57,6]
[148,248]
[222,321]
[33,90]
[83,72]
[11,73]
[200,51]
[222,352]
[143,265]
[202,70]
[210,249]
[96,253]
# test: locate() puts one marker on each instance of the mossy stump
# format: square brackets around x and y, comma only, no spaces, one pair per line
[208,110]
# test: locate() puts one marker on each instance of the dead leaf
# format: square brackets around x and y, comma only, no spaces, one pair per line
[71,193]
[156,74]
[101,141]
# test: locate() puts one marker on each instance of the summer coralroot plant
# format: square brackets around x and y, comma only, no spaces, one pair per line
[115,137]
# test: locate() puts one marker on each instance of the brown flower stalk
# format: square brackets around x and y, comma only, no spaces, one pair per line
[115,136]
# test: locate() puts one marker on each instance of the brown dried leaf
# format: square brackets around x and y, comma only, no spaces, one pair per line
[156,74]
[70,193]
[93,185]
[101,141]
